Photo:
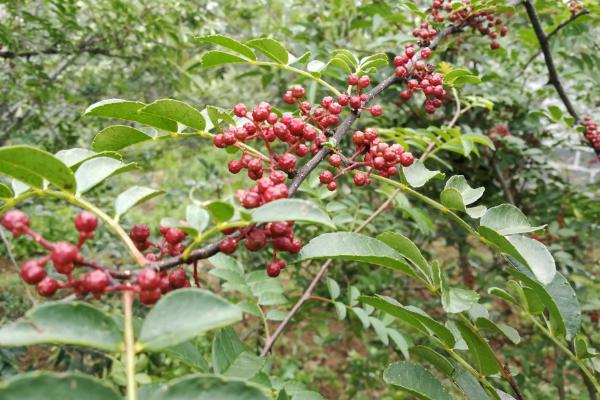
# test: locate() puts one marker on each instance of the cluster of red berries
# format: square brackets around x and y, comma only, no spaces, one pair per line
[482,21]
[300,135]
[592,134]
[152,284]
[280,234]
[296,136]
[376,156]
[171,242]
[420,76]
[64,256]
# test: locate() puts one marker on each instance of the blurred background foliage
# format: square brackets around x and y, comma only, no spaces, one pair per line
[58,57]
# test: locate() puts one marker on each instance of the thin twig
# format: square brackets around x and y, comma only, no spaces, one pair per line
[553,77]
[554,32]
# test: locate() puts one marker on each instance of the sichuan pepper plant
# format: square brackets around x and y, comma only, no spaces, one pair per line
[280,145]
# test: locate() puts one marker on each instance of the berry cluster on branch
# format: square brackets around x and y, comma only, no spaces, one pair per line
[64,257]
[592,134]
[376,156]
[154,280]
[67,261]
[482,21]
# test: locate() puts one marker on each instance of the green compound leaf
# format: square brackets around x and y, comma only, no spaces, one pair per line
[53,386]
[72,323]
[177,111]
[229,43]
[129,111]
[415,380]
[32,166]
[204,311]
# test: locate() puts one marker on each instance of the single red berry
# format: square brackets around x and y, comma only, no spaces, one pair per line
[32,272]
[371,134]
[301,150]
[251,200]
[355,102]
[273,269]
[281,264]
[494,45]
[297,126]
[343,99]
[326,102]
[335,160]
[297,91]
[86,222]
[409,52]
[235,166]
[376,111]
[255,165]
[151,296]
[406,159]
[277,177]
[288,97]
[240,110]
[401,72]
[503,31]
[15,221]
[228,245]
[364,81]
[278,229]
[63,255]
[177,278]
[352,79]
[272,118]
[358,138]
[139,233]
[250,128]
[326,176]
[174,236]
[95,281]
[229,138]
[413,84]
[379,163]
[165,286]
[286,161]
[335,108]
[331,186]
[360,179]
[399,61]
[47,287]
[261,112]
[309,133]
[425,52]
[405,95]
[255,240]
[296,245]
[148,279]
[436,80]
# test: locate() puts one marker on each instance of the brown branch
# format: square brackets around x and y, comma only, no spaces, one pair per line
[553,77]
[554,32]
[54,51]
[567,22]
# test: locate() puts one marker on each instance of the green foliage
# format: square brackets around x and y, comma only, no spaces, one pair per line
[456,294]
